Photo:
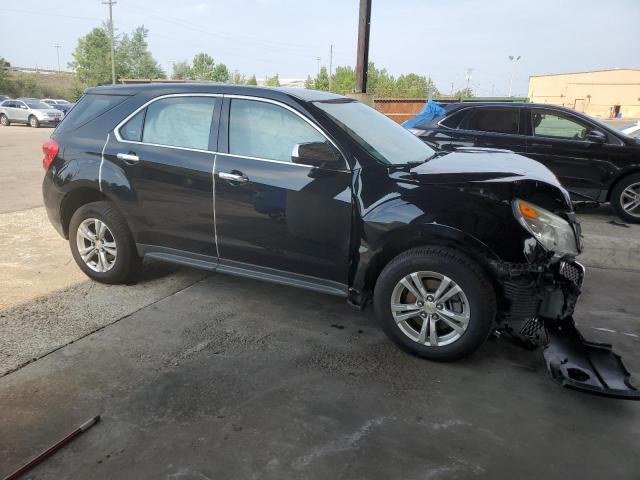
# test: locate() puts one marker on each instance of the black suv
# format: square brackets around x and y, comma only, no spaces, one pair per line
[593,161]
[319,191]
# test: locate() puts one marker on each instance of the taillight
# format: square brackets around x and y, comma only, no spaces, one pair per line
[50,149]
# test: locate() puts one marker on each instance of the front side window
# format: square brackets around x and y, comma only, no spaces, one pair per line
[493,120]
[264,130]
[547,124]
[179,122]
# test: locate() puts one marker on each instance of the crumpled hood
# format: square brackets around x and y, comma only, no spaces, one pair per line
[478,164]
[498,174]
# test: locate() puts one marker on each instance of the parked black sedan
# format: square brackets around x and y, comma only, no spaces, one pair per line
[593,161]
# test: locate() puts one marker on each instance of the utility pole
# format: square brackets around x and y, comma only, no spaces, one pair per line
[57,46]
[452,89]
[318,59]
[468,77]
[113,50]
[514,60]
[362,62]
[330,65]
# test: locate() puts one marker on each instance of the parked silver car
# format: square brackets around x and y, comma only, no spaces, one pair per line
[59,104]
[31,112]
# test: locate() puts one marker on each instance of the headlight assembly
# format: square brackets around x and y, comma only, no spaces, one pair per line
[554,233]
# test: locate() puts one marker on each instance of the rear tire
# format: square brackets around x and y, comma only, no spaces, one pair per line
[34,122]
[102,245]
[462,321]
[4,120]
[626,193]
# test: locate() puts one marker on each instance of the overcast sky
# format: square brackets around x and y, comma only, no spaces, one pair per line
[439,38]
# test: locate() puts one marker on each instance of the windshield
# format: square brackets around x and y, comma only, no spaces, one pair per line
[38,105]
[383,138]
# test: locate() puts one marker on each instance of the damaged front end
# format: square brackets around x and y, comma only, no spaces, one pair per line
[541,303]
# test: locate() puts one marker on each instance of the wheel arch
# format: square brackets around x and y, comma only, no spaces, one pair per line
[76,198]
[619,178]
[402,239]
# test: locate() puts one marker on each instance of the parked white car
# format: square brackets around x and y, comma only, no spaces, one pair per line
[31,112]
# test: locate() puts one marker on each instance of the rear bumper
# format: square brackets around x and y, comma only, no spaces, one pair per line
[52,197]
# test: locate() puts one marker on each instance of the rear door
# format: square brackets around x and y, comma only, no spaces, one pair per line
[558,140]
[166,153]
[493,127]
[276,215]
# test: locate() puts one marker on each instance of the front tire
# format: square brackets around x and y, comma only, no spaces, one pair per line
[435,303]
[625,198]
[102,245]
[4,120]
[34,122]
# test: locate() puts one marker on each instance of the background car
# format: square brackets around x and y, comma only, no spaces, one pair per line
[593,161]
[31,112]
[59,104]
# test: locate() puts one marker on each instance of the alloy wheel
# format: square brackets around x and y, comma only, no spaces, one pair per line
[96,245]
[630,199]
[430,308]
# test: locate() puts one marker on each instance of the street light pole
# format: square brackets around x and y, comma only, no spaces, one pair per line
[113,53]
[57,46]
[514,61]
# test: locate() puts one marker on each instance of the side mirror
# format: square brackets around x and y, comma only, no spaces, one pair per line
[316,154]
[596,136]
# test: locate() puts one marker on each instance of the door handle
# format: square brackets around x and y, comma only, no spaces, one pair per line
[128,157]
[234,177]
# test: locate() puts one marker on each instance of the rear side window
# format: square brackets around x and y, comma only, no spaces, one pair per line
[178,122]
[494,120]
[89,107]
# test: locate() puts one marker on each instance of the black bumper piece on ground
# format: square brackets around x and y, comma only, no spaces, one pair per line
[590,367]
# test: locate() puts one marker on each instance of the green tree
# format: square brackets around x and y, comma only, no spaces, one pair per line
[252,80]
[343,80]
[309,83]
[272,81]
[92,58]
[379,82]
[202,67]
[5,82]
[414,86]
[181,71]
[237,78]
[322,80]
[134,57]
[220,73]
[464,93]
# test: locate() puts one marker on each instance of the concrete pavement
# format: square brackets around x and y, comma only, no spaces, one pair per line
[233,378]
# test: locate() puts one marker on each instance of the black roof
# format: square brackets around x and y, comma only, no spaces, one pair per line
[159,88]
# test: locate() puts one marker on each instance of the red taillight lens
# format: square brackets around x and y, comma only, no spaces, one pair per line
[50,149]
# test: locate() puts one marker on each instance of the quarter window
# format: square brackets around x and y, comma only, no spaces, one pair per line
[494,120]
[547,124]
[132,130]
[263,130]
[176,122]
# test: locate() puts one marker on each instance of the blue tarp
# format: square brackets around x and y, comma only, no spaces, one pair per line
[430,111]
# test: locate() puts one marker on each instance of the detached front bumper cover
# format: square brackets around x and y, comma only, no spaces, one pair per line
[590,367]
